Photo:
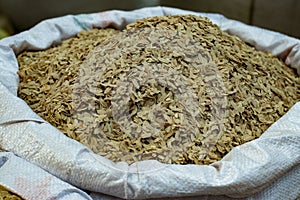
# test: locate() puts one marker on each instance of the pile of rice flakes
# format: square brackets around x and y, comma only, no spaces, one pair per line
[7,195]
[174,88]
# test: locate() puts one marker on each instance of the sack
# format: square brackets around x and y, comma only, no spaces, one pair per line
[31,182]
[265,168]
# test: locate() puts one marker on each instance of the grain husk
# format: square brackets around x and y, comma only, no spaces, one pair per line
[119,100]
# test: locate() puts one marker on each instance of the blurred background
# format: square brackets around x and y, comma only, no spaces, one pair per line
[277,15]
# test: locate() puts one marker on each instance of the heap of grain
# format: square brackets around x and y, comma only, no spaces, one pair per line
[5,194]
[176,89]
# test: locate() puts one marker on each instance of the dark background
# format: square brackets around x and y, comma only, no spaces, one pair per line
[281,16]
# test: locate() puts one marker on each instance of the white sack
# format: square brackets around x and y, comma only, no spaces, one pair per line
[265,168]
[31,182]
